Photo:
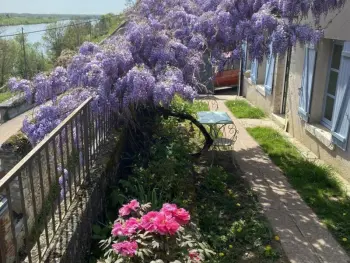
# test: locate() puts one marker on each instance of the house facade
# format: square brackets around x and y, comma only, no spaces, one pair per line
[307,91]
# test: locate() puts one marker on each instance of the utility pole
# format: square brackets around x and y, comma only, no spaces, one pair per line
[24,54]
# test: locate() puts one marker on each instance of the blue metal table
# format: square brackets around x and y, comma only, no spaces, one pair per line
[218,121]
[214,118]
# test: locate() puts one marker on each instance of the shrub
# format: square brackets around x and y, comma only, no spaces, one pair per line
[167,235]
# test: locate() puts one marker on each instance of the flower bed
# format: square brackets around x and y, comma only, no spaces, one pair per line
[214,208]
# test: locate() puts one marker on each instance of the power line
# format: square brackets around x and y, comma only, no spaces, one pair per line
[54,28]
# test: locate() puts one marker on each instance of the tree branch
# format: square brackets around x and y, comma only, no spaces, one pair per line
[184,116]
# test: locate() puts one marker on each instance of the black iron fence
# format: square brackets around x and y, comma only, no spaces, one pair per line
[39,190]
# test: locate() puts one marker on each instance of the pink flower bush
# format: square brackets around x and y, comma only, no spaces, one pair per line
[165,222]
[126,248]
[145,231]
[128,208]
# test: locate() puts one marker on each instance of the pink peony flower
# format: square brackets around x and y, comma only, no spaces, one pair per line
[131,226]
[166,224]
[194,256]
[168,208]
[117,230]
[127,229]
[126,248]
[134,205]
[182,216]
[147,221]
[126,209]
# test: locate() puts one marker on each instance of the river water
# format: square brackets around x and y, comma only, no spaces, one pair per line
[36,37]
[32,38]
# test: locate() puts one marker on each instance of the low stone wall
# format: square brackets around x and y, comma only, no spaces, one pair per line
[11,153]
[14,107]
[34,186]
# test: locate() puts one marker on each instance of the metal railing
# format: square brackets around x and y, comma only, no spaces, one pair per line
[42,186]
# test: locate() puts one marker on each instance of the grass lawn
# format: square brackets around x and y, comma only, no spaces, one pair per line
[5,96]
[315,183]
[243,110]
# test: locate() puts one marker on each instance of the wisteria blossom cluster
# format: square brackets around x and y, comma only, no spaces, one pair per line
[160,53]
[154,235]
[63,182]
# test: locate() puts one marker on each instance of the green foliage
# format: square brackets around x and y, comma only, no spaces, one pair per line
[5,96]
[12,62]
[225,210]
[180,105]
[315,183]
[242,109]
[62,37]
[135,189]
[229,216]
[17,20]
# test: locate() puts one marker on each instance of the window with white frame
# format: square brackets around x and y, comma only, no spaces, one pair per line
[331,88]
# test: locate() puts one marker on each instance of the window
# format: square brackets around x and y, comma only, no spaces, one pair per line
[254,71]
[331,88]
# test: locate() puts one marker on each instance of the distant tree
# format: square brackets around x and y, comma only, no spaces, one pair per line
[8,56]
[54,39]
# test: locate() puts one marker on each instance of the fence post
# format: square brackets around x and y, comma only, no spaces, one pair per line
[24,55]
[86,140]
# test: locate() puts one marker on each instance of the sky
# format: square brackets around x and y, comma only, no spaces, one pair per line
[62,6]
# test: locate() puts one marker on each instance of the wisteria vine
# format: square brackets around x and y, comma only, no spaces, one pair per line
[160,53]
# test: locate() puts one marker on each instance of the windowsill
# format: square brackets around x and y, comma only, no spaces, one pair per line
[261,90]
[322,134]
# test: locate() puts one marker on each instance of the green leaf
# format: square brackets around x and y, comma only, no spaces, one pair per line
[96,229]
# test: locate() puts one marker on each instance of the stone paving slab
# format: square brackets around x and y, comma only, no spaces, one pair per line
[303,237]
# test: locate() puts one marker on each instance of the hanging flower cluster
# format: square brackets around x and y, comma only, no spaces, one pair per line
[160,52]
[155,235]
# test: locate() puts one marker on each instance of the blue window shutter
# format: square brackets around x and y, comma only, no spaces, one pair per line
[341,115]
[307,82]
[270,68]
[254,71]
[244,48]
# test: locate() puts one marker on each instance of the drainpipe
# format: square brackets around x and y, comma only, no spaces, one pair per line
[241,78]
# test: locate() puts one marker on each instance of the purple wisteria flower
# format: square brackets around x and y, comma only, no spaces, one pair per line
[160,54]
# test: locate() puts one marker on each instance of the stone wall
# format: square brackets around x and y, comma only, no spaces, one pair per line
[39,181]
[256,93]
[14,107]
[323,149]
[72,241]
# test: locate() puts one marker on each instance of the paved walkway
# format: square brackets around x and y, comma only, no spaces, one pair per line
[303,237]
[12,126]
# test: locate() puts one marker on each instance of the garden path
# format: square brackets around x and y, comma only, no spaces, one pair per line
[12,126]
[303,237]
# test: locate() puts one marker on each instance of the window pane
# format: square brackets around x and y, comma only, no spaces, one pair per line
[328,113]
[332,85]
[336,56]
